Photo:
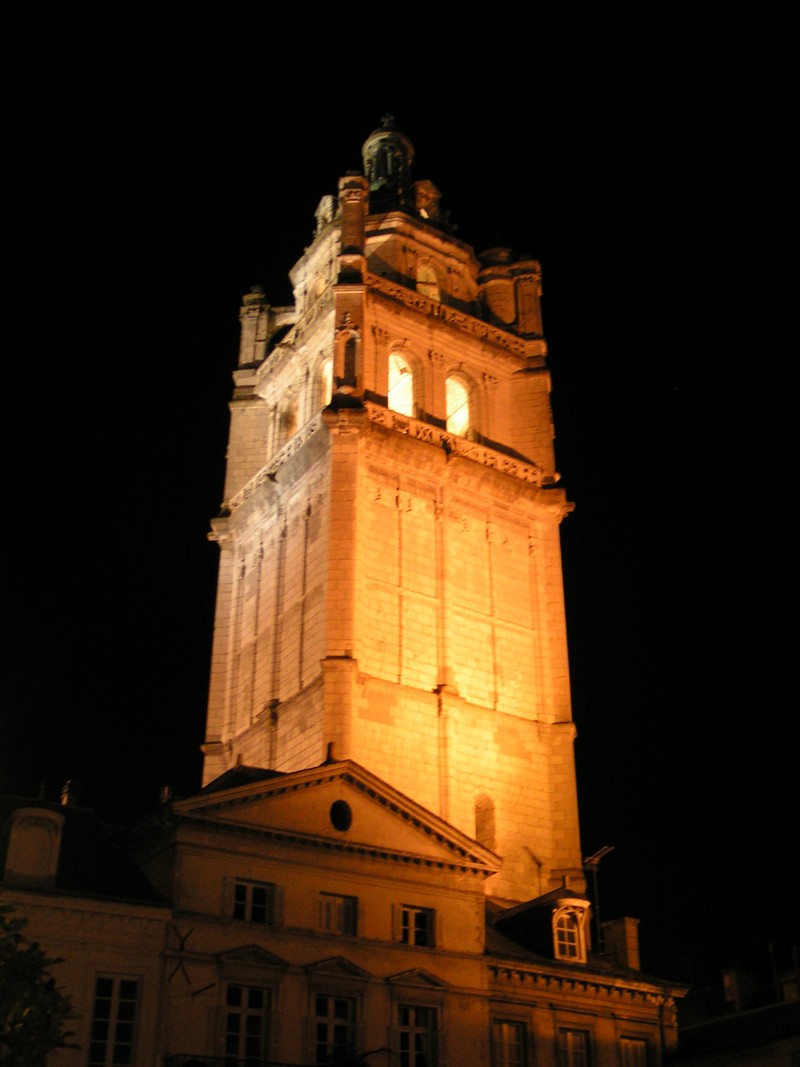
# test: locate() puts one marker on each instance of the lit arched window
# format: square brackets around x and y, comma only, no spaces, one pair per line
[326,382]
[400,396]
[427,282]
[457,400]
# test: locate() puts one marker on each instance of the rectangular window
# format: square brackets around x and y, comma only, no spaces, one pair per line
[417,1031]
[113,1022]
[573,1048]
[416,925]
[254,902]
[568,946]
[508,1044]
[337,914]
[334,1028]
[247,1011]
[633,1052]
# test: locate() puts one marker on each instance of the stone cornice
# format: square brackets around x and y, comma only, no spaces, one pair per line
[524,471]
[458,446]
[462,863]
[415,301]
[546,980]
[267,473]
[114,910]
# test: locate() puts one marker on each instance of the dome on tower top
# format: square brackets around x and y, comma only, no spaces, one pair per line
[387,155]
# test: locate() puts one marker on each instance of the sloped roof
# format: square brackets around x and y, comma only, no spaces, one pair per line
[93,859]
[238,776]
[299,806]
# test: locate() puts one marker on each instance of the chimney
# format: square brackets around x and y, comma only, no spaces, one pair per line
[621,942]
[69,794]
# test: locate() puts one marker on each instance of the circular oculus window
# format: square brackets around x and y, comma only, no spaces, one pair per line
[341,815]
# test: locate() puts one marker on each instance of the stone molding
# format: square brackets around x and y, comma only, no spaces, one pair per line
[458,446]
[410,298]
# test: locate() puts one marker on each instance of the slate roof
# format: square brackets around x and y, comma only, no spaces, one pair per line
[93,859]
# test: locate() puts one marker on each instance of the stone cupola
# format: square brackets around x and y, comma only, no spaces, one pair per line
[387,156]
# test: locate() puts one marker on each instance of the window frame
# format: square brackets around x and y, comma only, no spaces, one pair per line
[264,1013]
[630,1042]
[500,1048]
[569,1056]
[330,1020]
[250,885]
[111,1041]
[407,930]
[569,933]
[417,1057]
[328,914]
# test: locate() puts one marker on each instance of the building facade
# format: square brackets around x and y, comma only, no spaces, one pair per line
[383,863]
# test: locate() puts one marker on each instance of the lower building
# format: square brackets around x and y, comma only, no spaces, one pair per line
[321,917]
[84,901]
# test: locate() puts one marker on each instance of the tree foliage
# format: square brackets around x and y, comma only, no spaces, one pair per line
[33,1010]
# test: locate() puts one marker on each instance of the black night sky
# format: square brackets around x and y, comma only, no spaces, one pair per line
[159,169]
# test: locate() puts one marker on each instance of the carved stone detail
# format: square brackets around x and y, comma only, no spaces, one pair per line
[459,446]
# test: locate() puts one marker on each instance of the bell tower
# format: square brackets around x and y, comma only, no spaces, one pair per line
[390,566]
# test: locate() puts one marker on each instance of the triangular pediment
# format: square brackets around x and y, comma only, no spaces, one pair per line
[251,955]
[419,978]
[340,805]
[337,967]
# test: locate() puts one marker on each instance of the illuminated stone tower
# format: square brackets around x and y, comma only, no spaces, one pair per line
[390,585]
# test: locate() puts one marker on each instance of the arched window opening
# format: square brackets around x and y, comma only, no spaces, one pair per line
[427,282]
[348,343]
[457,401]
[484,821]
[568,931]
[400,395]
[349,377]
[326,383]
[289,420]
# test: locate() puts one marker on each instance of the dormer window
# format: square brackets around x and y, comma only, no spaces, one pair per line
[400,396]
[569,934]
[34,847]
[427,282]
